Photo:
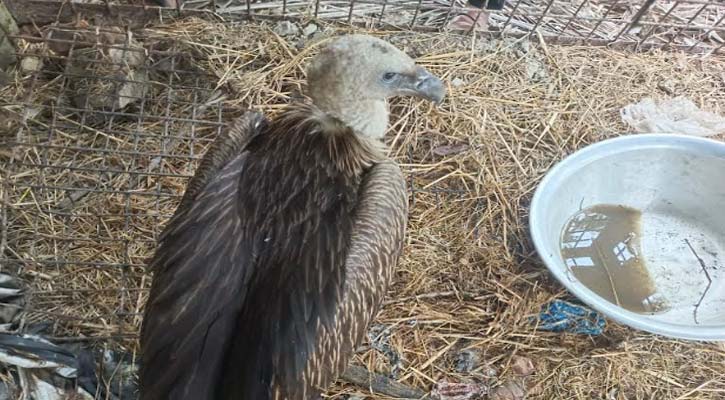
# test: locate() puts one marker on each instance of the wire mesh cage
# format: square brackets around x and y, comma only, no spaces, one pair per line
[101,133]
[102,163]
[694,25]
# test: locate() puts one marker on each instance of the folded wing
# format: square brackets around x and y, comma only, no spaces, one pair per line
[201,269]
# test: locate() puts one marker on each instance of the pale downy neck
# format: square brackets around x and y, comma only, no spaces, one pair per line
[367,117]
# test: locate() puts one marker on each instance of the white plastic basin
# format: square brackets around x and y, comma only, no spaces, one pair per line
[678,184]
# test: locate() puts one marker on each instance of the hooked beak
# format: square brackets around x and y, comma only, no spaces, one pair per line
[426,85]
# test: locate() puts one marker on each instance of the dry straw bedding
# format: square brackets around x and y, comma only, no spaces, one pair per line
[469,277]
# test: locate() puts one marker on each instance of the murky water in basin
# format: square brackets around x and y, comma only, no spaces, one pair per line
[601,246]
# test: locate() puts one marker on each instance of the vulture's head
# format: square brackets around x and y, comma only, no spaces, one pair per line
[354,75]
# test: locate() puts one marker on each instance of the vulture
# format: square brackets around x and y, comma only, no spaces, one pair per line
[284,243]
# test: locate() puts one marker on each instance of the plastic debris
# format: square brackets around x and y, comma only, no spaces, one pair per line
[522,366]
[119,373]
[46,371]
[309,29]
[12,302]
[510,390]
[33,61]
[668,86]
[444,390]
[286,28]
[675,115]
[31,351]
[467,360]
[560,316]
[380,384]
[42,387]
[379,337]
[458,82]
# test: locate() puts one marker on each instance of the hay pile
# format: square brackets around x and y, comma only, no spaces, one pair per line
[469,278]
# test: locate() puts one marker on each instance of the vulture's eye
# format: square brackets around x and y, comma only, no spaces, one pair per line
[389,77]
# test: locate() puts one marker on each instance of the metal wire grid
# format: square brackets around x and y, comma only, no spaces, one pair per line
[691,25]
[86,189]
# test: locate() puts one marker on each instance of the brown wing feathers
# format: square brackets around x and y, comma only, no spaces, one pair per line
[376,242]
[229,144]
[195,296]
[307,236]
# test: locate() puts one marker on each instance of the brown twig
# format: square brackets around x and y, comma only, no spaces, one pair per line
[707,275]
[609,274]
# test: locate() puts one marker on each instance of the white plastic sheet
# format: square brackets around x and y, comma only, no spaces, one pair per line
[677,115]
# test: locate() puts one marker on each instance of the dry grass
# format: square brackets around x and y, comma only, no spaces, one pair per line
[469,277]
